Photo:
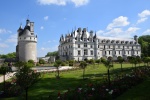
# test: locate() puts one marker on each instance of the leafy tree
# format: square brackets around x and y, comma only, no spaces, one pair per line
[146,60]
[55,53]
[19,64]
[83,65]
[41,61]
[98,61]
[26,77]
[108,65]
[120,60]
[30,63]
[3,70]
[57,64]
[9,55]
[144,41]
[71,62]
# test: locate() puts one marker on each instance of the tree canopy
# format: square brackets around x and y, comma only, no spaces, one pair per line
[9,55]
[144,41]
[55,53]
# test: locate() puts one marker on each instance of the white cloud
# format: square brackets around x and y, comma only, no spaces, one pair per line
[80,2]
[4,31]
[147,32]
[141,20]
[118,32]
[132,29]
[63,2]
[114,32]
[143,16]
[12,39]
[144,13]
[46,18]
[2,45]
[41,27]
[118,22]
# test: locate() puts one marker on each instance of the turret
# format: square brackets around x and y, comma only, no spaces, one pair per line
[27,22]
[136,38]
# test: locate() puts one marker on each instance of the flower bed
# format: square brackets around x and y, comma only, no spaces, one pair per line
[105,92]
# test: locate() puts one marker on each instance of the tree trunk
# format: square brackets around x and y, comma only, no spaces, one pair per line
[121,66]
[26,93]
[58,71]
[83,72]
[4,82]
[108,77]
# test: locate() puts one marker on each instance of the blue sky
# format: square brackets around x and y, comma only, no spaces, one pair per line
[108,18]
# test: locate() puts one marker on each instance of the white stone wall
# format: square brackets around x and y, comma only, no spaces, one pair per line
[27,51]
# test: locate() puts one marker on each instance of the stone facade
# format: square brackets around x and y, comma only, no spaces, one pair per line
[27,43]
[81,44]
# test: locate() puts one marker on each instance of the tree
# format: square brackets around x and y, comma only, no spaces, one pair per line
[83,65]
[57,64]
[108,65]
[146,60]
[98,61]
[3,70]
[26,77]
[120,60]
[55,53]
[19,64]
[41,61]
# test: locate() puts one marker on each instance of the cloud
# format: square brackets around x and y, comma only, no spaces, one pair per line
[63,2]
[4,31]
[2,45]
[143,16]
[144,13]
[46,18]
[141,20]
[118,32]
[12,39]
[80,2]
[132,29]
[51,41]
[41,27]
[147,32]
[118,22]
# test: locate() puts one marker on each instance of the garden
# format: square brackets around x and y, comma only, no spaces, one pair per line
[89,80]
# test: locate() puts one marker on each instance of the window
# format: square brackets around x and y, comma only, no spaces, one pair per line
[109,52]
[98,46]
[119,52]
[85,39]
[105,52]
[91,46]
[79,53]
[85,52]
[78,45]
[91,52]
[85,44]
[104,46]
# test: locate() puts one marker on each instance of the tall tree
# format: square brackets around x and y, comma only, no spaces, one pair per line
[108,65]
[57,65]
[3,70]
[26,77]
[83,65]
[120,60]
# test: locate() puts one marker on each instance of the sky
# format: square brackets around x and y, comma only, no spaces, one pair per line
[52,18]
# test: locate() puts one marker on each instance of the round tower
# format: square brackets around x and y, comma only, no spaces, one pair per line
[27,43]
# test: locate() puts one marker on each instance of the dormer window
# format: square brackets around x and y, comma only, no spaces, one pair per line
[85,39]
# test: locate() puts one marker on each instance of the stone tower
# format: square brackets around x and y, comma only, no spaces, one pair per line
[27,42]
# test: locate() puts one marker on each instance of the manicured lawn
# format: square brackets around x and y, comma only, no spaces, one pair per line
[49,85]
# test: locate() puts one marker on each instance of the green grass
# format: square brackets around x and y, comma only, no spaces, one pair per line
[49,85]
[139,92]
